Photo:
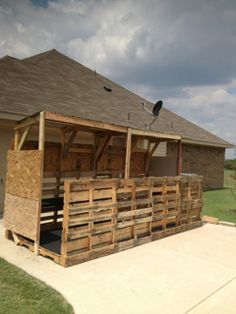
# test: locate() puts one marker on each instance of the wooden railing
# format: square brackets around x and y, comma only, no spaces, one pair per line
[110,215]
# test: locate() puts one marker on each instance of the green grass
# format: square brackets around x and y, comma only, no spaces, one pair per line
[230,180]
[22,294]
[222,203]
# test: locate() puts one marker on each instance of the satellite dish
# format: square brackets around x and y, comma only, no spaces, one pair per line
[155,111]
[157,107]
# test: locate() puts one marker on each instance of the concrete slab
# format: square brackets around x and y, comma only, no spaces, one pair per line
[192,272]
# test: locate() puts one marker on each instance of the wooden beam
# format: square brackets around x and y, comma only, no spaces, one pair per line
[127,156]
[84,122]
[24,137]
[69,143]
[155,134]
[40,147]
[179,159]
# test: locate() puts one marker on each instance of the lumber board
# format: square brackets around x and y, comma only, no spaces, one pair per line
[84,122]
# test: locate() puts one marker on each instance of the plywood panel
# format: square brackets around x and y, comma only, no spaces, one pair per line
[23,173]
[21,215]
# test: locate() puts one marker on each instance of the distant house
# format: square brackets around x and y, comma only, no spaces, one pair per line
[52,82]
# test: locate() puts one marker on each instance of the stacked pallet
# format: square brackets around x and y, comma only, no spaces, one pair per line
[109,215]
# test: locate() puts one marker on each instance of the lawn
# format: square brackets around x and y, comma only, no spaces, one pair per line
[22,294]
[222,203]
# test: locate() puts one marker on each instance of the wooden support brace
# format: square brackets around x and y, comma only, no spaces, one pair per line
[69,143]
[154,147]
[23,137]
[134,144]
[149,155]
[102,147]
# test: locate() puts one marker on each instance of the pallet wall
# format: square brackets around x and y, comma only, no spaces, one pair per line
[105,216]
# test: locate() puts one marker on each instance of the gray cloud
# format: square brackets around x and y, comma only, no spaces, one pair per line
[182,51]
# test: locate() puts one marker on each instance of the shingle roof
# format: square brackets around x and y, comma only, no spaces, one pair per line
[53,82]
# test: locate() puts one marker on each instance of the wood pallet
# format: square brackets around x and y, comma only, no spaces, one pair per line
[109,215]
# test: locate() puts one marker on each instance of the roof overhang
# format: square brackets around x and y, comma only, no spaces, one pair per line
[204,143]
[153,134]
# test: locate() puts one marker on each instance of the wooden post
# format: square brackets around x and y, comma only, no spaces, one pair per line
[127,156]
[179,158]
[41,130]
[16,140]
[40,147]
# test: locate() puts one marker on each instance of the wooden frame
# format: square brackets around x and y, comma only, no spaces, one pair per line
[140,209]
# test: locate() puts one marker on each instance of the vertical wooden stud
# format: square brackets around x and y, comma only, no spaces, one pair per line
[165,202]
[41,148]
[65,221]
[114,211]
[16,140]
[179,158]
[91,214]
[150,196]
[127,156]
[177,202]
[133,207]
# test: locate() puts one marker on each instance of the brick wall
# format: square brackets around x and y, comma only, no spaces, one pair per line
[202,160]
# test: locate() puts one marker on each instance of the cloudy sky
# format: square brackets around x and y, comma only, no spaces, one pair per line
[183,52]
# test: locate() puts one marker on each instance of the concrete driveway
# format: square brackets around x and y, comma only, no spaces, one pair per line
[191,272]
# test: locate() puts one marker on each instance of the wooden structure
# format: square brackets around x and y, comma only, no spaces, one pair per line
[75,202]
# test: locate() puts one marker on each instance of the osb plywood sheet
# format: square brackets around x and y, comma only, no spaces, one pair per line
[23,173]
[21,215]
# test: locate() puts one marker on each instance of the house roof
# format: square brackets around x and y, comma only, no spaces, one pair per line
[53,82]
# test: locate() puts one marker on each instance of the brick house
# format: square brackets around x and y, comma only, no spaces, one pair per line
[53,82]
